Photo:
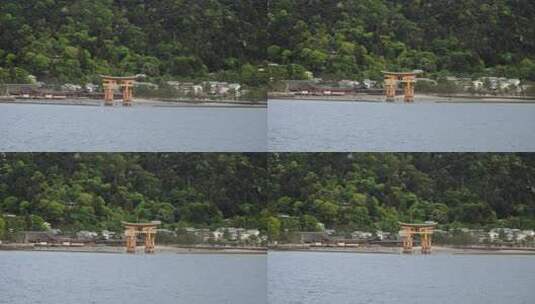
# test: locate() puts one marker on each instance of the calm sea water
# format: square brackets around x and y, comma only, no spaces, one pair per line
[66,278]
[133,129]
[342,278]
[317,126]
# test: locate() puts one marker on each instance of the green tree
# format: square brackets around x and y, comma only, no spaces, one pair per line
[273,225]
[2,228]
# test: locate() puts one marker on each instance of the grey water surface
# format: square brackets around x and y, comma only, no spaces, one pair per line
[342,278]
[59,128]
[66,278]
[332,126]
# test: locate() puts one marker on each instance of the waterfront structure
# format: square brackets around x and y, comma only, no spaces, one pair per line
[110,83]
[313,237]
[7,89]
[423,230]
[148,230]
[408,79]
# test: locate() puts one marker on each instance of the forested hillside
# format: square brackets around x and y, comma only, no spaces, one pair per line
[375,191]
[348,38]
[73,41]
[293,191]
[98,191]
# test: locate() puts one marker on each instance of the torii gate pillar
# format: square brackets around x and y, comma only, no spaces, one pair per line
[408,87]
[108,85]
[390,87]
[127,86]
[131,239]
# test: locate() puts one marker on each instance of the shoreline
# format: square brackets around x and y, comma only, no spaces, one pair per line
[161,103]
[418,99]
[173,249]
[160,249]
[436,250]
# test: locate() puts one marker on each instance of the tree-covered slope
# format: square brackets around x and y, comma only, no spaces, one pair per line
[59,40]
[98,191]
[375,191]
[291,191]
[345,38]
[76,40]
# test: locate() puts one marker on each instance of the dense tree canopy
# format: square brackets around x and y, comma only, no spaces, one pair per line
[348,38]
[375,191]
[98,191]
[76,40]
[60,40]
[275,192]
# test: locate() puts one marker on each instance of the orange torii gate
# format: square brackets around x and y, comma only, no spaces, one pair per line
[391,82]
[110,83]
[424,230]
[148,230]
